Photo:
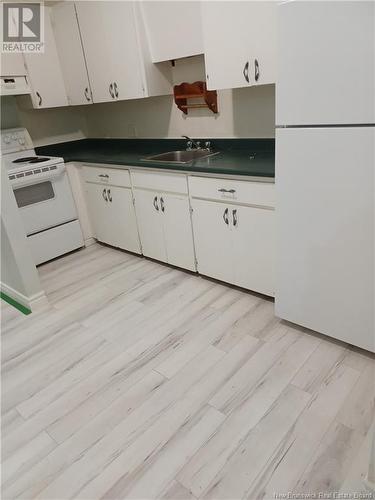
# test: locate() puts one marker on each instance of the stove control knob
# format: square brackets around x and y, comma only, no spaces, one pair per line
[7,139]
[21,140]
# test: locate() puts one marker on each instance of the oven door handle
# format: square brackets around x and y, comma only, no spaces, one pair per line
[29,180]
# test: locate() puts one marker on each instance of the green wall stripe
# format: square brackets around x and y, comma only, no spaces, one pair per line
[14,303]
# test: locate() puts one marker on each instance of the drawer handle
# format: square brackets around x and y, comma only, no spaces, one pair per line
[104,194]
[109,196]
[225,216]
[155,203]
[222,190]
[162,204]
[106,176]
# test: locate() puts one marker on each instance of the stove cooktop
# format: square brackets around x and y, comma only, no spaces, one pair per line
[31,159]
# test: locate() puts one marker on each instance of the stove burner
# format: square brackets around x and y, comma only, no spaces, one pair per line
[38,160]
[25,159]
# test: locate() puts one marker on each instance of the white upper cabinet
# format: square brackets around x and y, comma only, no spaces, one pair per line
[157,77]
[125,55]
[93,19]
[117,54]
[239,43]
[12,65]
[69,47]
[44,71]
[326,63]
[174,29]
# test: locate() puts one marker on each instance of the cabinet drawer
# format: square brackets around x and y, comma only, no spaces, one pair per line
[246,192]
[173,183]
[113,176]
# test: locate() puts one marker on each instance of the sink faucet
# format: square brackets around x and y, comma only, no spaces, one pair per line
[191,143]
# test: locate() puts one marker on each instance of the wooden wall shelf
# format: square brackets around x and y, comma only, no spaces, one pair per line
[195,90]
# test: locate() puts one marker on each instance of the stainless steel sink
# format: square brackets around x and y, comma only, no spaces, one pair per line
[180,157]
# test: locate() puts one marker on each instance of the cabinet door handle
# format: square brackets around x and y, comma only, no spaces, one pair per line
[87,94]
[109,195]
[222,190]
[246,71]
[104,194]
[162,204]
[155,203]
[235,220]
[106,176]
[111,90]
[256,70]
[225,216]
[40,100]
[116,89]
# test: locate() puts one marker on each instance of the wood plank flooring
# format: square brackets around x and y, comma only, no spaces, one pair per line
[142,381]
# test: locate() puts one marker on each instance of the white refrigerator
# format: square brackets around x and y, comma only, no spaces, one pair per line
[325,162]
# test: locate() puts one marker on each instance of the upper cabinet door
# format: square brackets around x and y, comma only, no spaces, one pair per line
[326,63]
[239,43]
[92,20]
[69,48]
[45,73]
[109,36]
[12,65]
[174,29]
[124,53]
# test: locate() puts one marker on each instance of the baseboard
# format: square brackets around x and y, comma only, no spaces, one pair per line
[90,241]
[39,301]
[14,303]
[16,298]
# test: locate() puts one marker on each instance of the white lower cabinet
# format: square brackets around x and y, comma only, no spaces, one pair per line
[229,235]
[112,215]
[178,233]
[235,242]
[163,215]
[254,249]
[213,240]
[150,224]
[164,226]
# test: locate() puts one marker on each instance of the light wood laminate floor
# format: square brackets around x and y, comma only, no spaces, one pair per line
[144,381]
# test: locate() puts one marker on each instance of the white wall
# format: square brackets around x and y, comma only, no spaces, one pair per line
[45,126]
[247,112]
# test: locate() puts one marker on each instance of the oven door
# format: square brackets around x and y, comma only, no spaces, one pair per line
[45,202]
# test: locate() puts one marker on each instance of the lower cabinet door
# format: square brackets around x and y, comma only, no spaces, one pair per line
[178,232]
[98,211]
[122,223]
[213,238]
[254,248]
[150,224]
[112,216]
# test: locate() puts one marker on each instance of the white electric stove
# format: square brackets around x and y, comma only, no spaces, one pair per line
[43,195]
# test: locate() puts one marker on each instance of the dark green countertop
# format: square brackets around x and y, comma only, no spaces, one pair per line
[250,157]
